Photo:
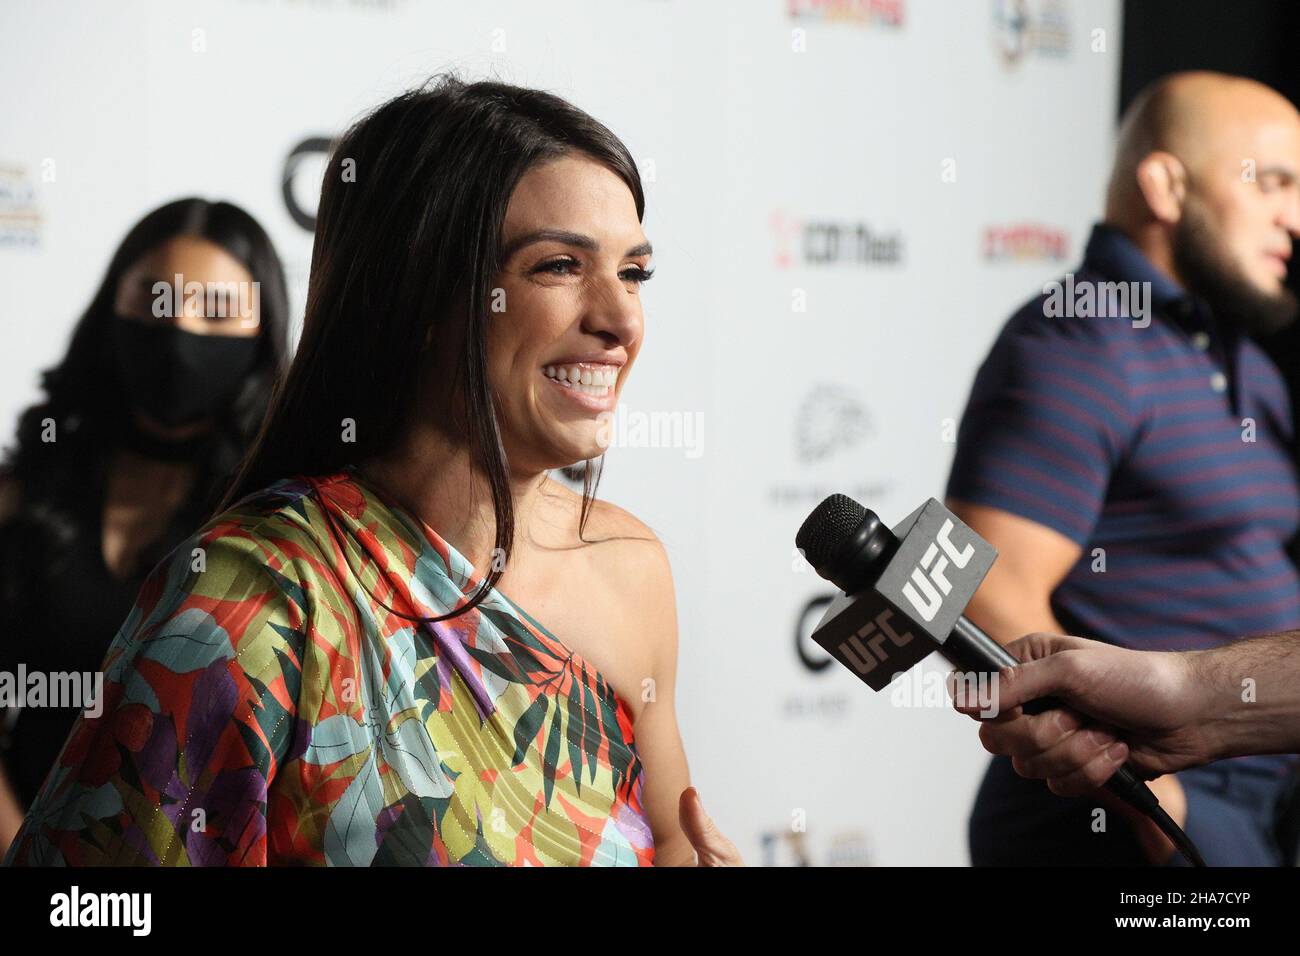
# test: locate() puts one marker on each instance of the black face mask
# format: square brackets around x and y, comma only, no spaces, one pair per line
[177,377]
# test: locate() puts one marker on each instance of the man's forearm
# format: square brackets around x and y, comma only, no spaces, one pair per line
[1248,695]
[1005,619]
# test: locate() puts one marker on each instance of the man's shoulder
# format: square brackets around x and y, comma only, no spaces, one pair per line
[1093,338]
[1081,307]
[1260,367]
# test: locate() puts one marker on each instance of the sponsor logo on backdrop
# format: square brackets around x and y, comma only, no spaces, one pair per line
[849,848]
[830,419]
[800,241]
[1024,28]
[1024,241]
[300,180]
[884,13]
[832,426]
[830,423]
[810,653]
[783,848]
[20,214]
[791,848]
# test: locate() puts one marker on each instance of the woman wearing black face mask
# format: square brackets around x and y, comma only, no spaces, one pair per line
[161,390]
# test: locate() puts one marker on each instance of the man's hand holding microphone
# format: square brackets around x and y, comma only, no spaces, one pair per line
[1160,711]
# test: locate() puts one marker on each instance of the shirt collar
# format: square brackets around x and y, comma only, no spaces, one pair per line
[1116,256]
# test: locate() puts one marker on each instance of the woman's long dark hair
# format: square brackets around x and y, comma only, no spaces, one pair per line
[407,239]
[85,399]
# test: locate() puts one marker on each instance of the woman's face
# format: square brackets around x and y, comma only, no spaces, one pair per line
[566,324]
[214,294]
[184,338]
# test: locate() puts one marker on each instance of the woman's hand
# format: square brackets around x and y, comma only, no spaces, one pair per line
[711,847]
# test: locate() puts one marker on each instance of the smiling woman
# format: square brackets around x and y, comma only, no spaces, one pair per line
[329,671]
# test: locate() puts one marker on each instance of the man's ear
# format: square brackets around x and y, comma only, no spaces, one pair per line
[1162,180]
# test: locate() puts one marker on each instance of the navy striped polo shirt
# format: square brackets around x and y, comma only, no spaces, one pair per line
[1162,448]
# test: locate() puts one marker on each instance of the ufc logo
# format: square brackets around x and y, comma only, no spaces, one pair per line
[928,586]
[863,650]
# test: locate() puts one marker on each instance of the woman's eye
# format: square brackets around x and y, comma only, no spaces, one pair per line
[568,266]
[557,266]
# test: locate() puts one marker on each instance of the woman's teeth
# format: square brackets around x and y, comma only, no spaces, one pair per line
[588,381]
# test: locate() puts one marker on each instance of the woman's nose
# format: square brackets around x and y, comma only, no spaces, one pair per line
[614,312]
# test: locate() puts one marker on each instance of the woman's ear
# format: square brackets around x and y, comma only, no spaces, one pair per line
[1162,180]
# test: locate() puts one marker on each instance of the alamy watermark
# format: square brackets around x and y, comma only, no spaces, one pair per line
[627,428]
[220,300]
[23,689]
[1087,299]
[77,908]
[967,689]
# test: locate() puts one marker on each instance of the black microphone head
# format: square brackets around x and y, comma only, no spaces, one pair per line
[829,526]
[845,542]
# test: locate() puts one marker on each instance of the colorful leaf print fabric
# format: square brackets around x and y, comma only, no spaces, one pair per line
[266,702]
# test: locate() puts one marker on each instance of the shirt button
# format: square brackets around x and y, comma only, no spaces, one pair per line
[1219,382]
[1201,341]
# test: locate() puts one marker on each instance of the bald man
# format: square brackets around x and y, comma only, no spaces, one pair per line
[1127,449]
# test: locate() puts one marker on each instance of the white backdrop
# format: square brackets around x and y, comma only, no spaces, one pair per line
[846,197]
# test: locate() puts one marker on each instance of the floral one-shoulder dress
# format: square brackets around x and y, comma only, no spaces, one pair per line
[274,699]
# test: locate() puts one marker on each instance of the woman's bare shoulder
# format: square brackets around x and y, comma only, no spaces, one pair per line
[614,546]
[631,581]
[606,523]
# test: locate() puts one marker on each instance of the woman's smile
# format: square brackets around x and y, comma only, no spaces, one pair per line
[592,385]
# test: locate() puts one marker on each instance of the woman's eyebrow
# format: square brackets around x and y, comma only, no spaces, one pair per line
[577,239]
